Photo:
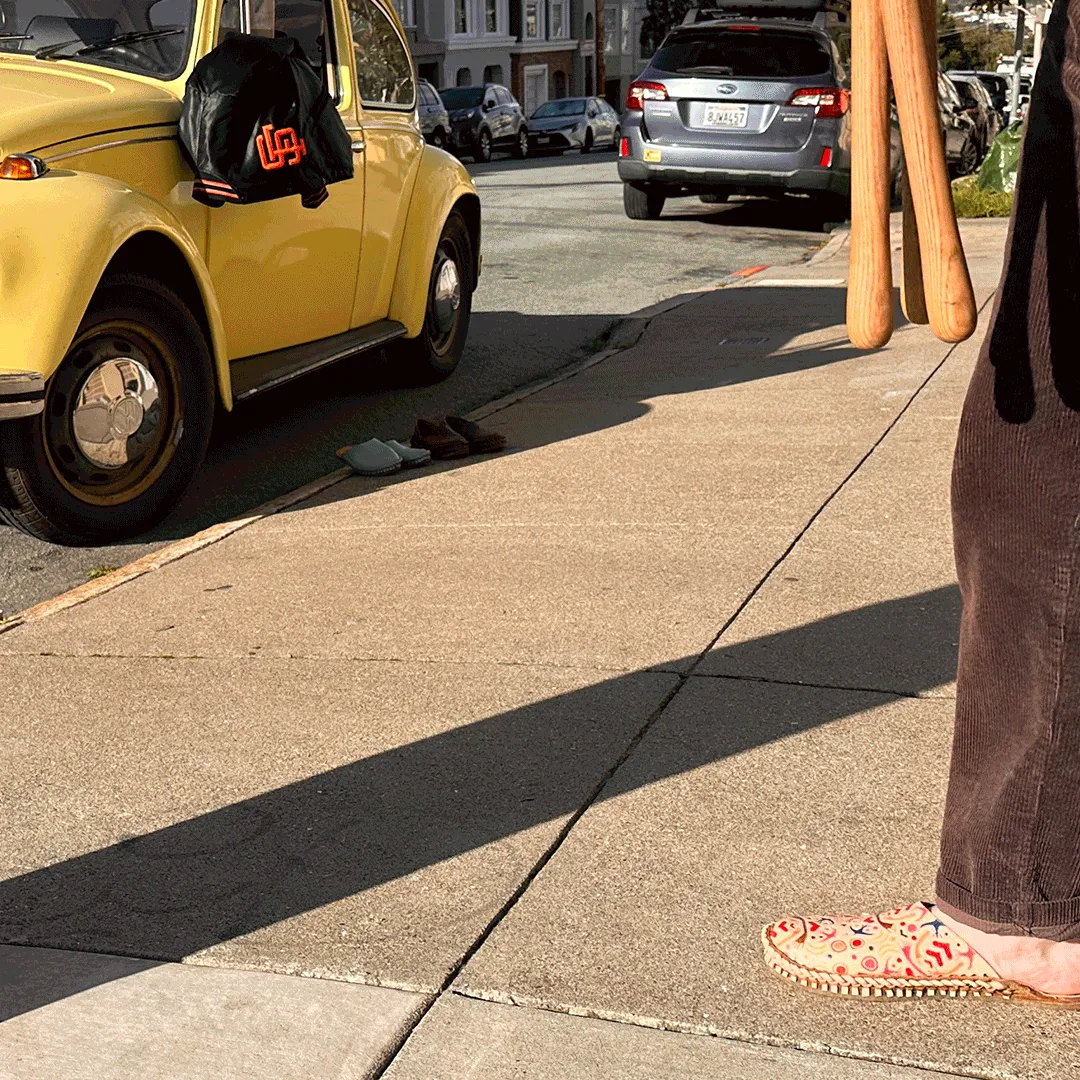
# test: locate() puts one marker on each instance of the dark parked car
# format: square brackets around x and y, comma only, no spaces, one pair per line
[740,103]
[997,86]
[484,117]
[963,143]
[977,104]
[574,123]
[434,119]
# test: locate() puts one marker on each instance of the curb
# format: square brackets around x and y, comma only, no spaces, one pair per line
[625,333]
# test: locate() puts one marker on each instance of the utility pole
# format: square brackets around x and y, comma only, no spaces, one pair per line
[1042,17]
[601,74]
[1014,96]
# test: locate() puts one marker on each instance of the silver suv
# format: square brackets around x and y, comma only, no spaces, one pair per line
[733,103]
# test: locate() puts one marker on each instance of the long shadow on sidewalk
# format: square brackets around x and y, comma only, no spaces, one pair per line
[172,892]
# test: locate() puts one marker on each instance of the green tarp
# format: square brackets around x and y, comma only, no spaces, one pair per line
[998,172]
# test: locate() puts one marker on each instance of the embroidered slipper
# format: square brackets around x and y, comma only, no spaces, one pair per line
[907,952]
[371,458]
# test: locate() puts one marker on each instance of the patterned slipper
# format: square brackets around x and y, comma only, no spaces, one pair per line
[908,952]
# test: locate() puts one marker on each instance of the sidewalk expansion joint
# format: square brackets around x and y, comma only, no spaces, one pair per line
[635,741]
[677,1027]
[829,499]
[770,680]
[255,655]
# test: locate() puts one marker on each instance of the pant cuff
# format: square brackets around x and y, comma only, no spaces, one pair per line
[1053,920]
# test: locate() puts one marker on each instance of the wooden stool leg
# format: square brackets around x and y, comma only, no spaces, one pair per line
[869,298]
[912,296]
[950,302]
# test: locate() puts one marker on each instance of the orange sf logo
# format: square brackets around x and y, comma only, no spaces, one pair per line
[279,148]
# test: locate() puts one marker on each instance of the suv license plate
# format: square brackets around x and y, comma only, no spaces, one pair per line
[726,116]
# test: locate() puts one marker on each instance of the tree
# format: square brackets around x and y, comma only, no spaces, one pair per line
[971,48]
[660,17]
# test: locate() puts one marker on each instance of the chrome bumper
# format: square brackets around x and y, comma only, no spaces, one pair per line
[22,393]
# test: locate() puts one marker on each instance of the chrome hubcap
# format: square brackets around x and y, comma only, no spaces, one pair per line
[447,298]
[117,412]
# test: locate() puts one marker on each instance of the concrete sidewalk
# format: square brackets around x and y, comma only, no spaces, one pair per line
[512,757]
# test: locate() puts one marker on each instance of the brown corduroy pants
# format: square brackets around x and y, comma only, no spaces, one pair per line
[1010,848]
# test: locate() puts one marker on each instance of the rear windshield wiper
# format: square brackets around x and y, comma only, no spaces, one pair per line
[52,52]
[707,69]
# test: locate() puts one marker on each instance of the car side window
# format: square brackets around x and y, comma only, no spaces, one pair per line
[305,20]
[384,76]
[490,100]
[503,96]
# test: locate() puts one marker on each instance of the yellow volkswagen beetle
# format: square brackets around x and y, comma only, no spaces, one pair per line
[128,310]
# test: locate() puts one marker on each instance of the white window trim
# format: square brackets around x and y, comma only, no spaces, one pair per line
[470,20]
[541,21]
[535,69]
[502,19]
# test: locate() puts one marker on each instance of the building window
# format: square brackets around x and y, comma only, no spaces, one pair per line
[627,28]
[407,10]
[493,73]
[558,84]
[590,32]
[464,77]
[491,16]
[611,30]
[461,16]
[532,19]
[560,24]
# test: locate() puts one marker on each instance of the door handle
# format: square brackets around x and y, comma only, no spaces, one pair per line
[358,146]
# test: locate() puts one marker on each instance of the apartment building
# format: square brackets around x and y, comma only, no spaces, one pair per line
[622,48]
[540,49]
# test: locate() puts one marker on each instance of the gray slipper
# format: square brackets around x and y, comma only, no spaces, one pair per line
[410,455]
[371,458]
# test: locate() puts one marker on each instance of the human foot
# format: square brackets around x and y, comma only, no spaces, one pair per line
[907,952]
[1050,967]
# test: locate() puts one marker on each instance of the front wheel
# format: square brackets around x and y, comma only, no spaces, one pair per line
[521,143]
[126,422]
[438,139]
[642,204]
[616,138]
[482,150]
[435,351]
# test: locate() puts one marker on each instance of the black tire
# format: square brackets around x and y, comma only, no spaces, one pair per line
[586,146]
[436,350]
[50,486]
[642,204]
[616,138]
[438,138]
[482,147]
[521,143]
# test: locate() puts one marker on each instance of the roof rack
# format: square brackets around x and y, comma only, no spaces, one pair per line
[822,13]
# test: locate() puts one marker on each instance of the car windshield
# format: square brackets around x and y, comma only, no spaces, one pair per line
[750,53]
[151,37]
[462,97]
[563,107]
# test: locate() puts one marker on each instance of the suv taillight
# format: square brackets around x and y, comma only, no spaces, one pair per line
[640,92]
[831,102]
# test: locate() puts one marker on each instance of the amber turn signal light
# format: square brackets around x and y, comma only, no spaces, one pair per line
[22,167]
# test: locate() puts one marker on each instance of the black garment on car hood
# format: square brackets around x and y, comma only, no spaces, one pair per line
[258,124]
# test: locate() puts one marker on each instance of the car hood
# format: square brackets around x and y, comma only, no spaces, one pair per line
[553,123]
[44,102]
[461,114]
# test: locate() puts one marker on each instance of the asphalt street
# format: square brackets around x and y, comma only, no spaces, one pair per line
[562,264]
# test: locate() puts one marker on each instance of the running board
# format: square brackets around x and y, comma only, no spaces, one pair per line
[252,375]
